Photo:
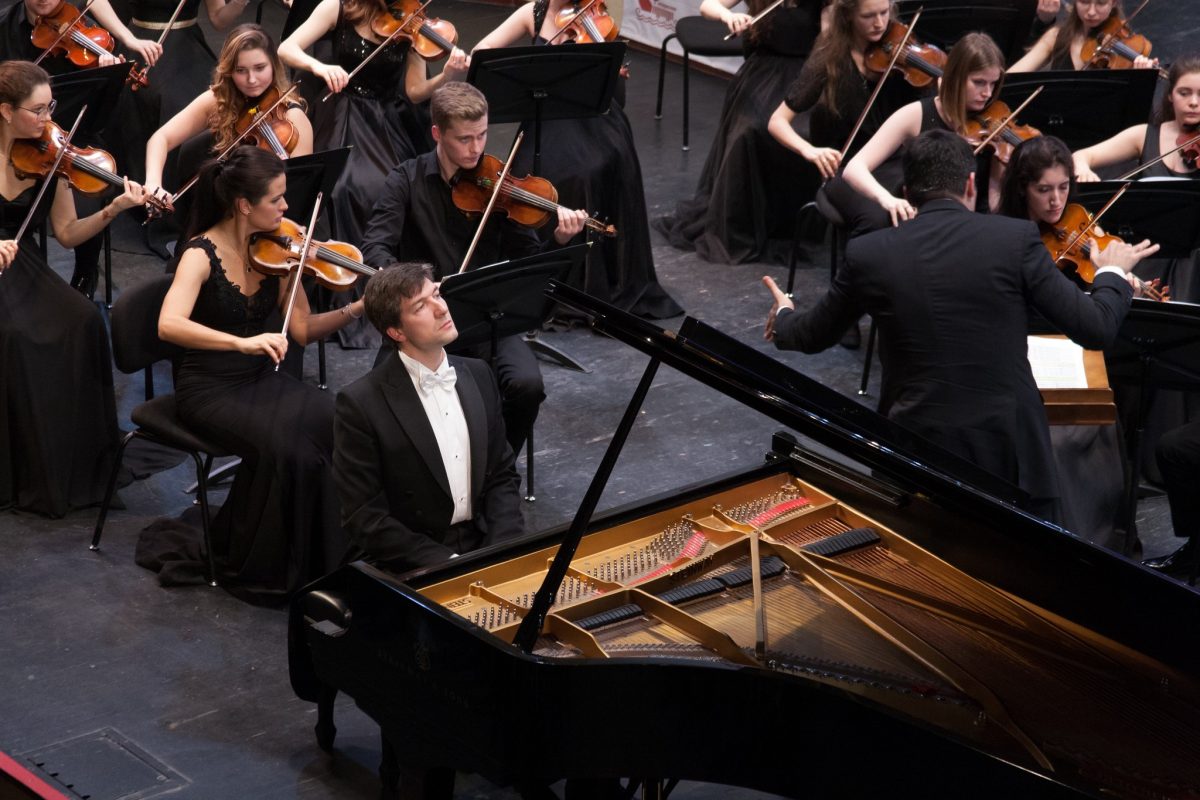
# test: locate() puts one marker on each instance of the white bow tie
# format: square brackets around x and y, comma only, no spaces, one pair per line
[443,380]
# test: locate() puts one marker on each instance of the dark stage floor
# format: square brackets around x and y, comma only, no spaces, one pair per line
[127,689]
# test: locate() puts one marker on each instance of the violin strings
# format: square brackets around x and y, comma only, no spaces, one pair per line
[435,37]
[539,202]
[88,44]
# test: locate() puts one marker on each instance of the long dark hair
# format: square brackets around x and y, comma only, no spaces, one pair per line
[1182,66]
[1072,28]
[1030,160]
[246,173]
[832,50]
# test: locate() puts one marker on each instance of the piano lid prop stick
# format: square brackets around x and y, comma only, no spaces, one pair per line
[531,624]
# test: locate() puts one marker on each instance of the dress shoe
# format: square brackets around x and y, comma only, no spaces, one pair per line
[852,338]
[1177,563]
[84,281]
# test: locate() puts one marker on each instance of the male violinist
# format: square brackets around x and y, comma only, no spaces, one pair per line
[416,219]
[951,290]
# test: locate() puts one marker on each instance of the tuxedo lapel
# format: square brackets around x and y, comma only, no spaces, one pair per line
[401,397]
[477,424]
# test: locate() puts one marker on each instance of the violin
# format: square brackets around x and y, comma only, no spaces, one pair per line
[274,132]
[65,30]
[528,201]
[921,64]
[432,39]
[589,23]
[1114,45]
[335,265]
[89,170]
[1070,245]
[986,123]
[1189,148]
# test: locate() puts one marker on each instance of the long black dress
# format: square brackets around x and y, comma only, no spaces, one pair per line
[279,526]
[593,164]
[58,419]
[748,192]
[374,117]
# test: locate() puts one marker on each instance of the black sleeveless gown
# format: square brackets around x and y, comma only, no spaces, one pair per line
[58,419]
[746,199]
[374,117]
[279,527]
[593,164]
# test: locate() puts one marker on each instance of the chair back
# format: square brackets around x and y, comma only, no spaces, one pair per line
[134,319]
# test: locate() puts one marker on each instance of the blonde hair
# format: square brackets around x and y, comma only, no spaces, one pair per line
[231,103]
[455,102]
[974,52]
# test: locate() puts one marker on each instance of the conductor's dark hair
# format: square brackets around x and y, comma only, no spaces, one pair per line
[936,164]
[246,173]
[389,288]
[1030,160]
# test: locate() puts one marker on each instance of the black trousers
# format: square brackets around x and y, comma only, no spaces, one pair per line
[1178,456]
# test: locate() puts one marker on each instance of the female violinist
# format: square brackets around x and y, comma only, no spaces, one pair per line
[376,112]
[1037,187]
[280,527]
[593,164]
[974,69]
[247,69]
[745,201]
[58,426]
[1061,46]
[836,84]
[18,21]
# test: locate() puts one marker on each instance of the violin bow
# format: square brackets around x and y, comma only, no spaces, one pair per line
[62,151]
[62,35]
[755,19]
[162,37]
[249,129]
[578,14]
[1163,157]
[491,202]
[1008,119]
[1095,220]
[378,48]
[879,86]
[296,279]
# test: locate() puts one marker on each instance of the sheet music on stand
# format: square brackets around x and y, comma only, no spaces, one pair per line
[1056,363]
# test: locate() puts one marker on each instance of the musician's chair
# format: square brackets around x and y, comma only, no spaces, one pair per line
[700,36]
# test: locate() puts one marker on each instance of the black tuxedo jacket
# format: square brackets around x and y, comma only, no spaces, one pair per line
[395,496]
[950,291]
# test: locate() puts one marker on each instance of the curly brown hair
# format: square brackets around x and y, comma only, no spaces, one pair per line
[231,103]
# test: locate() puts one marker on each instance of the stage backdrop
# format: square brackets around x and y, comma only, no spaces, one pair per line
[651,21]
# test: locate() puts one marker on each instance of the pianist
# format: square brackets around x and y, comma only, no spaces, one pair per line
[421,462]
[950,290]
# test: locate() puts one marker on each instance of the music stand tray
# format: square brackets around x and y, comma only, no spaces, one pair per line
[943,22]
[1067,106]
[506,298]
[545,83]
[1165,211]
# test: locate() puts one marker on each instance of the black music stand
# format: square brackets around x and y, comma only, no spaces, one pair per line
[943,22]
[97,88]
[1158,347]
[307,175]
[524,84]
[1083,107]
[1165,211]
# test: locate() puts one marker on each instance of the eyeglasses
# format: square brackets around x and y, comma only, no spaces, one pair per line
[42,112]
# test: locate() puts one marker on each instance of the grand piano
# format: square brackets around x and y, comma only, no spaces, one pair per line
[862,615]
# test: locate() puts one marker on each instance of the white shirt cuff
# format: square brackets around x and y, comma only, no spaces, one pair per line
[1120,273]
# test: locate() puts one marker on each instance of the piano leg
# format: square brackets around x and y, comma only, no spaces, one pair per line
[325,729]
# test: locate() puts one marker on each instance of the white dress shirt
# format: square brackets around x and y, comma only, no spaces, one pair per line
[439,397]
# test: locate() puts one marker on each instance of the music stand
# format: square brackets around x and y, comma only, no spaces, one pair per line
[1067,106]
[1165,211]
[1157,347]
[546,83]
[307,175]
[98,88]
[943,22]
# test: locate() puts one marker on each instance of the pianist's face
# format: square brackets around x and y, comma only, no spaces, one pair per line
[425,322]
[1047,196]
